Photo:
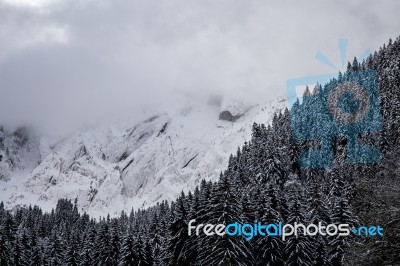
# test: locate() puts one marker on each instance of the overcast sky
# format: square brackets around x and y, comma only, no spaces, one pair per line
[63,59]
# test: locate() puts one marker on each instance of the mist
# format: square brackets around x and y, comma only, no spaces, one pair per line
[65,61]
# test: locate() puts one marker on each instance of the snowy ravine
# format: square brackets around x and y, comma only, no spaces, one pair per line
[119,166]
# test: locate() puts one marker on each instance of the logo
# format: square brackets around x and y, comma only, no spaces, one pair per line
[346,105]
[280,229]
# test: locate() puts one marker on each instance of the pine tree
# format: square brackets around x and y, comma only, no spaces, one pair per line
[192,244]
[71,257]
[225,250]
[55,251]
[103,248]
[128,256]
[138,246]
[270,248]
[341,214]
[25,248]
[178,236]
[34,253]
[298,250]
[148,254]
[115,243]
[5,254]
[87,254]
[17,254]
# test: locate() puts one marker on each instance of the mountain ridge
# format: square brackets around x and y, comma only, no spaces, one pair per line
[119,166]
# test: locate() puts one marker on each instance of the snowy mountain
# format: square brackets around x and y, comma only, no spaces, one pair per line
[114,167]
[19,151]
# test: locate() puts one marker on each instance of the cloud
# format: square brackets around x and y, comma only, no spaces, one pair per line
[69,60]
[36,4]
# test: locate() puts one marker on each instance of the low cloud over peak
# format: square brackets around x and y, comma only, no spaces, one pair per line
[71,60]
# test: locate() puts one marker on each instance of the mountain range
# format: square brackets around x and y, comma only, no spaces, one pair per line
[122,165]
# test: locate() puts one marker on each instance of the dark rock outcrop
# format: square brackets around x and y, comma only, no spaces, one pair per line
[226,115]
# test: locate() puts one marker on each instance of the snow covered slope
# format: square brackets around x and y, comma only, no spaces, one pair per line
[19,152]
[110,168]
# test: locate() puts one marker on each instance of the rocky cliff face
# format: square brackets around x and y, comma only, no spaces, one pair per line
[19,151]
[118,166]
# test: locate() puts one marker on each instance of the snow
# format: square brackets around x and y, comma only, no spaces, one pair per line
[235,106]
[122,165]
